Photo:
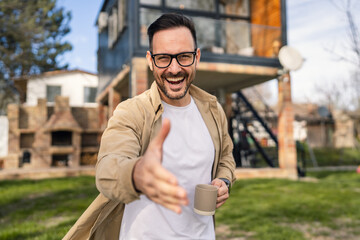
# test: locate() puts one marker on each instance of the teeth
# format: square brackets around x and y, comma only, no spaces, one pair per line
[174,79]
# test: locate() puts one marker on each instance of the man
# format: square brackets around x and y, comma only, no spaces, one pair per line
[158,146]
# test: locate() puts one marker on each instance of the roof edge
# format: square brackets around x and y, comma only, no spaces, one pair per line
[53,73]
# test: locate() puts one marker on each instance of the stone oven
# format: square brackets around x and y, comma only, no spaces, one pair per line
[52,136]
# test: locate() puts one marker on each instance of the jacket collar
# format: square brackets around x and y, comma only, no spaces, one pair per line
[155,97]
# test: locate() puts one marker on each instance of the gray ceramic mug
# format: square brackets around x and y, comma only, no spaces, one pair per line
[205,199]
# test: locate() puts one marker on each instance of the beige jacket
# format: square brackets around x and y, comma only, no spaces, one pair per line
[134,124]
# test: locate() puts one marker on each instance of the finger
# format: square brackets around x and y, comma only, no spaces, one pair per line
[162,174]
[222,198]
[167,184]
[164,131]
[217,182]
[173,199]
[164,198]
[171,194]
[219,204]
[173,207]
[222,190]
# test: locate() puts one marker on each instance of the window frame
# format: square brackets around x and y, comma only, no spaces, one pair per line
[47,92]
[216,15]
[117,22]
[89,94]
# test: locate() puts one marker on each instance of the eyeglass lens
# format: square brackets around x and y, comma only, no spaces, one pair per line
[184,59]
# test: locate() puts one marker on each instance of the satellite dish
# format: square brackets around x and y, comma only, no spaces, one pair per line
[290,58]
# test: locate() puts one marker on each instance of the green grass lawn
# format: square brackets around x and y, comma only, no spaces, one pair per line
[283,209]
[43,209]
[328,207]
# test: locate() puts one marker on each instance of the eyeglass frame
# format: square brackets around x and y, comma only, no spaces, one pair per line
[173,56]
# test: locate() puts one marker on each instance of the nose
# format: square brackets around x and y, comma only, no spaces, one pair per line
[174,67]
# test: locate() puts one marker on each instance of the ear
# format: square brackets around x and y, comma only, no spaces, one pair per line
[198,55]
[149,60]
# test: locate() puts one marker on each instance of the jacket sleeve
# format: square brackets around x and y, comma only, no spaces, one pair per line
[119,151]
[226,167]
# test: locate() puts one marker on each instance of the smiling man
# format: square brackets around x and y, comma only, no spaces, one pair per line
[158,146]
[173,59]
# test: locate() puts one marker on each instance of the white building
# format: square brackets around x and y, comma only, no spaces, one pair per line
[4,133]
[79,86]
[78,89]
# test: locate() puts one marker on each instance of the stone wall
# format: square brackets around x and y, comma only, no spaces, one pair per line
[31,130]
[344,135]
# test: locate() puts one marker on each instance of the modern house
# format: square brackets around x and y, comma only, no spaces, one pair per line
[239,41]
[57,123]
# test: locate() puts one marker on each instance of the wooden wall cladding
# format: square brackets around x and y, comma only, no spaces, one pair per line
[266,27]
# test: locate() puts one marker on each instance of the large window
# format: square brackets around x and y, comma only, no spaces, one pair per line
[235,7]
[116,22]
[113,27]
[52,92]
[147,16]
[203,5]
[222,28]
[236,27]
[89,94]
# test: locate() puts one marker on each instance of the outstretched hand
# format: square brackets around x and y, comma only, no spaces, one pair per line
[153,180]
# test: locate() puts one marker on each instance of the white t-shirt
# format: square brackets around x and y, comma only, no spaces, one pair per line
[188,153]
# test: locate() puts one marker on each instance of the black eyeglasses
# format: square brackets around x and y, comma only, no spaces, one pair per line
[184,59]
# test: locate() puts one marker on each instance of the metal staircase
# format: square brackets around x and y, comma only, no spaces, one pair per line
[246,127]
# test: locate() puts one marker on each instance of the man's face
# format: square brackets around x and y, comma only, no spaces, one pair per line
[174,80]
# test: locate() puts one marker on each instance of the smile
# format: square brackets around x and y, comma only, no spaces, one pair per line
[175,80]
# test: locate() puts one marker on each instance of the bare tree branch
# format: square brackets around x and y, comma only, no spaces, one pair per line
[351,54]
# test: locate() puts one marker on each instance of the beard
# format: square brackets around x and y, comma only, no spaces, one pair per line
[160,81]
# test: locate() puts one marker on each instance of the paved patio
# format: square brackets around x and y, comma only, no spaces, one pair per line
[55,172]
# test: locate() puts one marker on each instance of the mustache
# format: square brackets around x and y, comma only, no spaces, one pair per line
[170,75]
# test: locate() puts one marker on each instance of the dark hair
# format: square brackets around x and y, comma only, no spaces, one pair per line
[171,20]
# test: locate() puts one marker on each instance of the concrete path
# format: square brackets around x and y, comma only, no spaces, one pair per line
[53,172]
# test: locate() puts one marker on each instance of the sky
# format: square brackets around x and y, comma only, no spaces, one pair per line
[83,35]
[316,28]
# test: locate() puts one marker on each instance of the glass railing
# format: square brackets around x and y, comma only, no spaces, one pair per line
[236,37]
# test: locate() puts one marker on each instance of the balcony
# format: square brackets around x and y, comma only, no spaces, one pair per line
[234,53]
[226,37]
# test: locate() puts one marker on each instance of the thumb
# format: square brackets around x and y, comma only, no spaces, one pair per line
[164,131]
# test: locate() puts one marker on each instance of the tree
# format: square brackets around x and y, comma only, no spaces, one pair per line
[31,41]
[332,95]
[352,48]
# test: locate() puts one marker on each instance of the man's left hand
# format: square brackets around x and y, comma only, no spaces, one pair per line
[223,191]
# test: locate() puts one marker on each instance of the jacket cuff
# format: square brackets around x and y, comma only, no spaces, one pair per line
[114,178]
[128,170]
